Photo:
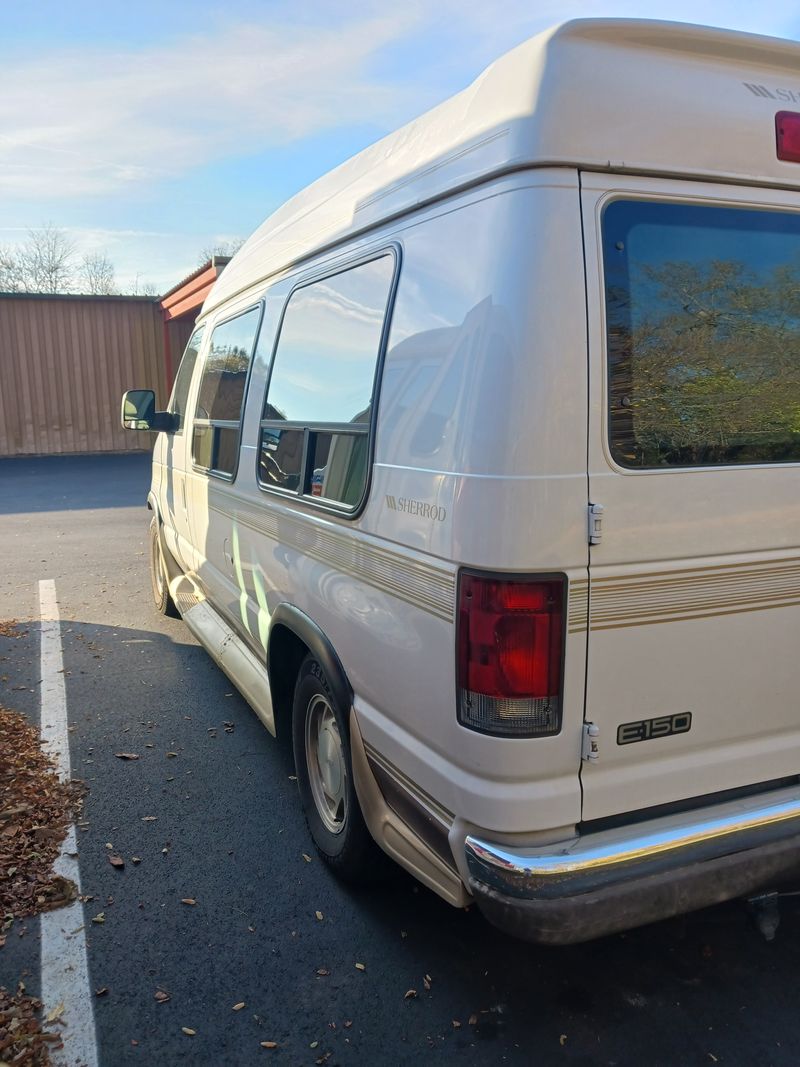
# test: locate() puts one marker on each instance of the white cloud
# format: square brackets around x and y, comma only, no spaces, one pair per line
[90,121]
[95,120]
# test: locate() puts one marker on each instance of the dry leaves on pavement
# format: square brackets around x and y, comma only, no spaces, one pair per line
[23,1042]
[35,810]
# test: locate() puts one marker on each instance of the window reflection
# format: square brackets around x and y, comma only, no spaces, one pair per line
[280,459]
[180,392]
[324,366]
[225,373]
[703,310]
[339,467]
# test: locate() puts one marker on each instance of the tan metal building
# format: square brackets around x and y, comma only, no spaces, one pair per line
[65,362]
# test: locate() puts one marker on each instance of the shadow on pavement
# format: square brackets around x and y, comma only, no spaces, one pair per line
[69,483]
[211,814]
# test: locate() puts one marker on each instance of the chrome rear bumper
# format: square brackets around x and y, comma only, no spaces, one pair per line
[602,882]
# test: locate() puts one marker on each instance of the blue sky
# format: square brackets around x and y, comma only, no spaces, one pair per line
[152,130]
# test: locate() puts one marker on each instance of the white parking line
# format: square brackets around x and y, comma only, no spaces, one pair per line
[65,968]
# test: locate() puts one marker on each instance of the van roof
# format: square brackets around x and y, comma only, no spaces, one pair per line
[606,94]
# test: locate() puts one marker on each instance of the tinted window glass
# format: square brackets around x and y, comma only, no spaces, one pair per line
[280,459]
[703,310]
[339,466]
[215,448]
[225,372]
[324,367]
[183,379]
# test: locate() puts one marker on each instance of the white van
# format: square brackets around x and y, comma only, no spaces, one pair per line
[481,478]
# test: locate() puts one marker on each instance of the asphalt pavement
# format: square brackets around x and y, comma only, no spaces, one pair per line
[210,811]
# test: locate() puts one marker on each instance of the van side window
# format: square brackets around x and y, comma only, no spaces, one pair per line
[183,379]
[318,409]
[703,319]
[217,421]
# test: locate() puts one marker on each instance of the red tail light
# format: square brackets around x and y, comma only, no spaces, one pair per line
[510,639]
[787,131]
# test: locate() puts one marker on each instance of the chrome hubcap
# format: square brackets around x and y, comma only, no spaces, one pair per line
[326,765]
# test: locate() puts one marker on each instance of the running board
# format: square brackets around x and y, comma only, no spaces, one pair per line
[226,649]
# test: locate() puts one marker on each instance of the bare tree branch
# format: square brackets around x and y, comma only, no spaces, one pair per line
[97,275]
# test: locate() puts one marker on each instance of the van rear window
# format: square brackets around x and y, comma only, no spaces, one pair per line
[703,332]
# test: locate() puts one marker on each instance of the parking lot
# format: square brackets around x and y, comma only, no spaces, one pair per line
[210,811]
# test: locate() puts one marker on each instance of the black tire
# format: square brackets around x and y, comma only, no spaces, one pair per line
[349,850]
[163,602]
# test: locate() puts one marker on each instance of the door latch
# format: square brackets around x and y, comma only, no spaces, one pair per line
[595,523]
[591,742]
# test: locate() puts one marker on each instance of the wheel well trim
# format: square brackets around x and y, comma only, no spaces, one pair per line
[315,640]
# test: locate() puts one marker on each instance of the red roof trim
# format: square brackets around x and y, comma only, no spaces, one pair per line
[189,294]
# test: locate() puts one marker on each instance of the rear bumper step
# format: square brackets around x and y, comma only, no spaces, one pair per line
[611,881]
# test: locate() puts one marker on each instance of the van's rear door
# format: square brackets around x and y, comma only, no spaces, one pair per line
[694,454]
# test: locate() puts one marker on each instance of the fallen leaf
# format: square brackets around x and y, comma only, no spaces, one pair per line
[188,900]
[162,996]
[322,972]
[456,1024]
[136,859]
[348,1023]
[56,1013]
[473,1020]
[562,1040]
[306,857]
[149,818]
[239,1006]
[409,994]
[319,915]
[116,861]
[126,755]
[269,1044]
[361,967]
[426,982]
[171,755]
[99,918]
[101,992]
[314,1044]
[188,1031]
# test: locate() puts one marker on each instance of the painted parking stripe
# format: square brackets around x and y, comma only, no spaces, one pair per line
[65,968]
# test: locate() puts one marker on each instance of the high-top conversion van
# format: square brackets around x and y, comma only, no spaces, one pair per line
[481,480]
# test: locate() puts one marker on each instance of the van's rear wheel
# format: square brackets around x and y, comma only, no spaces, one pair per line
[325,776]
[158,575]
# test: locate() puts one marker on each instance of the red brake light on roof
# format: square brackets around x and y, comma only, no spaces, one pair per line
[787,132]
[510,638]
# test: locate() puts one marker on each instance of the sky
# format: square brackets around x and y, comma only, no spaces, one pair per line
[152,130]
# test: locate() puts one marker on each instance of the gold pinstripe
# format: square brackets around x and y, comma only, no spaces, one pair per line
[425,799]
[691,593]
[423,584]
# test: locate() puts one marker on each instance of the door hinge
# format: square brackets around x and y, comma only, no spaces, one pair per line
[591,743]
[595,523]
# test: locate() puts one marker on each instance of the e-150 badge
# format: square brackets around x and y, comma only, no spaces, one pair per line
[649,729]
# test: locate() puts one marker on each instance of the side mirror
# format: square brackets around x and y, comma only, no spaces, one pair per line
[139,412]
